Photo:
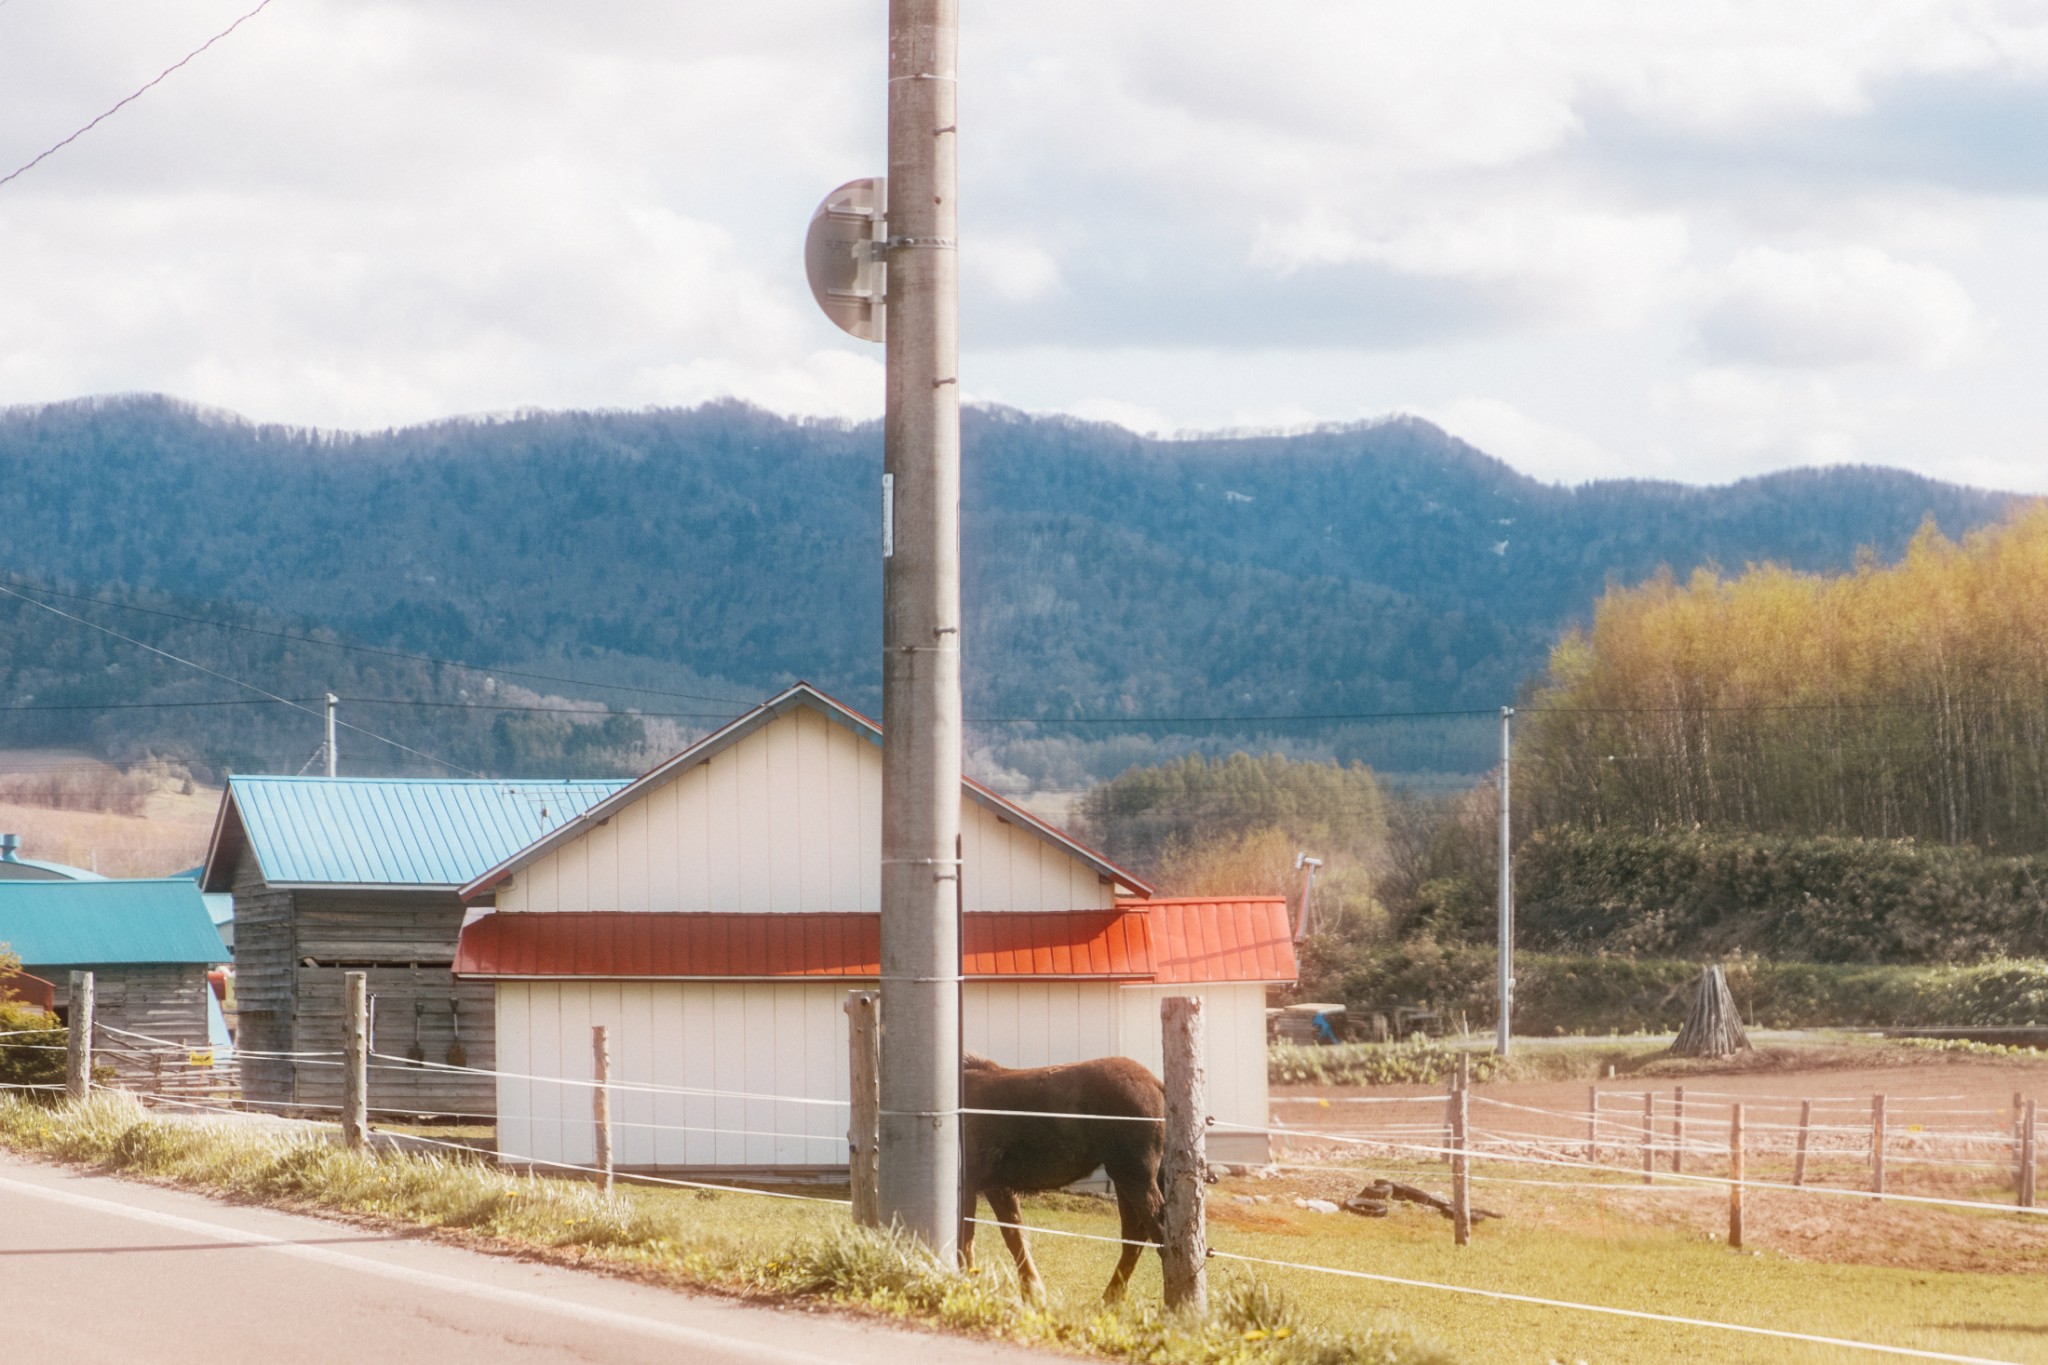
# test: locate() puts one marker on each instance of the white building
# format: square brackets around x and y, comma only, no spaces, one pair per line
[714,915]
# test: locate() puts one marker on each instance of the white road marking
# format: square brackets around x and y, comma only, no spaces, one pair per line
[602,1317]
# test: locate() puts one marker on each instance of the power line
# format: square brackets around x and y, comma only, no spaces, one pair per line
[212,673]
[373,649]
[51,151]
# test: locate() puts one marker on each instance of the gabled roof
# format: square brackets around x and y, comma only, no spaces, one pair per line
[619,945]
[107,922]
[397,833]
[1172,942]
[718,741]
[1209,938]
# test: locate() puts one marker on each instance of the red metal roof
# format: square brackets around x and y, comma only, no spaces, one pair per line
[1097,944]
[1201,938]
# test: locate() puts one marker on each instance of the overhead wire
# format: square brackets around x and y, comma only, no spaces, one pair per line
[127,100]
[352,648]
[228,678]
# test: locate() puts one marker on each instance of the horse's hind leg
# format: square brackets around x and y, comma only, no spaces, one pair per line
[1138,1201]
[1138,1230]
[1003,1204]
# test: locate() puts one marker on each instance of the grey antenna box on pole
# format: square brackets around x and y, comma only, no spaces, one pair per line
[843,257]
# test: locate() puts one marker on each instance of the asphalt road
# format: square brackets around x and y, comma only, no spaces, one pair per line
[96,1269]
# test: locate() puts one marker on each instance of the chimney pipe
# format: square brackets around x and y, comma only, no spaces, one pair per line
[10,844]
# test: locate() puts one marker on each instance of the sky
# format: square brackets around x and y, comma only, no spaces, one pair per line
[1596,238]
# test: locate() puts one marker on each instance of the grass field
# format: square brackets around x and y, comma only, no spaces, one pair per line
[167,833]
[1576,1250]
[1960,1281]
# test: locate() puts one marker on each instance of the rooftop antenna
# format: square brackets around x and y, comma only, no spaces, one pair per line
[332,700]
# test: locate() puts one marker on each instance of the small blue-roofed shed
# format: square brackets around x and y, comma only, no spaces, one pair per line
[147,942]
[337,874]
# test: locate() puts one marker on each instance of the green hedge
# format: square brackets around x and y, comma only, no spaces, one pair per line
[1783,898]
[1597,995]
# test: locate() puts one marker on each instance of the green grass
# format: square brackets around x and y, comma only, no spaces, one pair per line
[1581,1258]
[733,1241]
[1568,1245]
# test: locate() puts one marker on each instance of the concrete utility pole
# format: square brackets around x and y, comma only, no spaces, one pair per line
[1507,891]
[332,700]
[919,1182]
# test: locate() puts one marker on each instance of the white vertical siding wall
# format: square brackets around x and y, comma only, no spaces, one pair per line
[787,819]
[755,1041]
[1234,1034]
[752,1041]
[1009,868]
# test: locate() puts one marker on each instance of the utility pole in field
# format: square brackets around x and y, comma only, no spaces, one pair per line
[1507,892]
[882,262]
[332,768]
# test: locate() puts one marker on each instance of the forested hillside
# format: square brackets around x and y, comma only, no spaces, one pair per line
[1902,701]
[1379,568]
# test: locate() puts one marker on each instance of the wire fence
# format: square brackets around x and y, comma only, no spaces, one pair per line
[1606,1147]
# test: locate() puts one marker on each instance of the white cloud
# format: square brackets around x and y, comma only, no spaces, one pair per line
[1501,429]
[1845,306]
[1015,269]
[1191,212]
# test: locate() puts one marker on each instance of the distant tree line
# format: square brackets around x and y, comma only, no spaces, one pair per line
[1901,701]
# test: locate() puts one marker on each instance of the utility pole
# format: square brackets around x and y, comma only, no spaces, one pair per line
[1507,891]
[331,702]
[1302,862]
[919,1181]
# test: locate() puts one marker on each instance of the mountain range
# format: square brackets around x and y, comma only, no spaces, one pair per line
[1121,591]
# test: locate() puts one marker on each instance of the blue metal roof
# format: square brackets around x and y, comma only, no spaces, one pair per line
[107,922]
[399,832]
[40,870]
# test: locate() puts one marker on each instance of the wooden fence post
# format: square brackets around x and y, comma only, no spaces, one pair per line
[2019,1135]
[864,1119]
[1450,1117]
[1678,1131]
[1184,1171]
[1877,1144]
[1461,1164]
[601,1098]
[355,1059]
[1649,1136]
[1799,1153]
[78,1045]
[1735,1176]
[2020,1104]
[2028,1139]
[1592,1123]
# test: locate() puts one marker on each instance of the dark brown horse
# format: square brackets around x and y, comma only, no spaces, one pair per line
[1007,1154]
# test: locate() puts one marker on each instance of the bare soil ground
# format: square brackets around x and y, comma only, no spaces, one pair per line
[1949,1125]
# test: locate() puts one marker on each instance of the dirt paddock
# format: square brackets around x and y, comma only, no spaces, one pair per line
[1949,1133]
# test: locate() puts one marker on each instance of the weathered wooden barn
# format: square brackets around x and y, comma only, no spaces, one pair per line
[714,915]
[331,875]
[148,944]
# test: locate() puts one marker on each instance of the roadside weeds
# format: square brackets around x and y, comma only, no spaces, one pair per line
[767,1249]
